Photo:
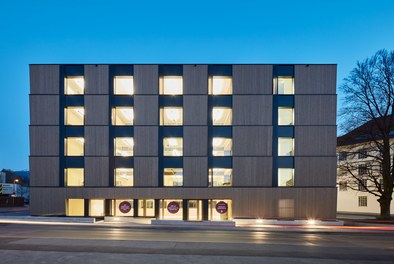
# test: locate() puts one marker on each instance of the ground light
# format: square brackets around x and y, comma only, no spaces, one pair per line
[311,222]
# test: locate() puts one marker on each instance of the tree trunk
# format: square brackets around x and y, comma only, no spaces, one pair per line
[384,207]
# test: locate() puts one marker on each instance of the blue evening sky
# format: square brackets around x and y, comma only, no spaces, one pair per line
[120,31]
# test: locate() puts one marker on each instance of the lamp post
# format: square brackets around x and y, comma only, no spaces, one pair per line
[16,181]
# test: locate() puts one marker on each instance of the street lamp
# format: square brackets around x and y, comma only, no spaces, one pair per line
[16,181]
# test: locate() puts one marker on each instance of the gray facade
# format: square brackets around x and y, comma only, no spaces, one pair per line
[254,189]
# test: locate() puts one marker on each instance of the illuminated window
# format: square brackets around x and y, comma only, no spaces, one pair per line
[284,85]
[96,207]
[123,85]
[221,146]
[285,177]
[171,209]
[74,116]
[194,210]
[74,146]
[285,116]
[122,116]
[171,85]
[285,146]
[75,207]
[146,207]
[171,116]
[173,146]
[173,177]
[222,116]
[220,210]
[219,177]
[124,146]
[73,177]
[74,85]
[124,177]
[220,85]
[122,207]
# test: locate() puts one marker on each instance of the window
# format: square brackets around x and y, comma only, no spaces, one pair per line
[122,116]
[362,170]
[362,201]
[96,207]
[75,207]
[285,146]
[285,177]
[222,116]
[171,116]
[171,85]
[171,209]
[362,185]
[74,85]
[73,177]
[74,146]
[343,185]
[220,85]
[173,177]
[173,146]
[284,85]
[342,156]
[123,85]
[222,146]
[124,146]
[220,210]
[220,177]
[285,116]
[146,207]
[122,207]
[362,153]
[124,177]
[74,116]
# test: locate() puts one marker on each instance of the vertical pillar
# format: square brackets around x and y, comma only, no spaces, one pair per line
[86,207]
[205,204]
[107,207]
[157,208]
[135,207]
[185,209]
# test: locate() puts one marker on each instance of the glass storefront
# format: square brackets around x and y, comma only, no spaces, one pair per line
[171,209]
[220,210]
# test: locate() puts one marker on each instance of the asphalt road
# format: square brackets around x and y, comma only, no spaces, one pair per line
[27,243]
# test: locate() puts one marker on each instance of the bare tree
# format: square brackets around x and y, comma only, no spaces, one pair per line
[367,116]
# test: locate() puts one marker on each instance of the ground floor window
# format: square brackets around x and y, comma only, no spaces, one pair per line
[75,207]
[122,207]
[96,207]
[195,210]
[171,209]
[220,210]
[362,201]
[146,207]
[286,208]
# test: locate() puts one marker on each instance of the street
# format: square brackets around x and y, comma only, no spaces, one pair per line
[28,243]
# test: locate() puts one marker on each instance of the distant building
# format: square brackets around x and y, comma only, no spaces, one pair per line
[354,148]
[184,142]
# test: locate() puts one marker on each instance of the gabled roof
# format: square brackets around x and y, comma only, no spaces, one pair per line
[365,132]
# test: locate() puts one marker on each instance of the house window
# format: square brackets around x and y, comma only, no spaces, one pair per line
[171,85]
[221,146]
[74,146]
[222,116]
[122,116]
[285,116]
[74,85]
[124,146]
[342,156]
[362,170]
[285,146]
[173,177]
[171,116]
[173,146]
[285,177]
[96,207]
[220,85]
[362,154]
[343,185]
[74,116]
[73,177]
[284,85]
[124,177]
[362,201]
[123,85]
[362,185]
[220,177]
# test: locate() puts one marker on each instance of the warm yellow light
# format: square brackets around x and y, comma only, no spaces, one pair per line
[172,85]
[311,222]
[259,221]
[172,142]
[172,114]
[217,114]
[217,142]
